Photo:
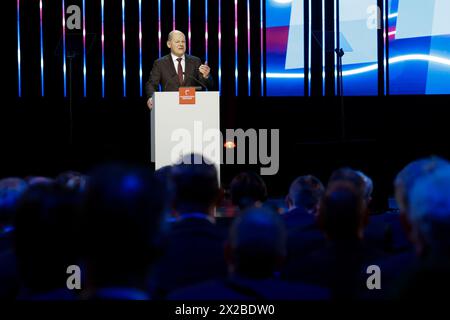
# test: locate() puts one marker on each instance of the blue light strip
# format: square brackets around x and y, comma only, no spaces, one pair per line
[84,48]
[64,47]
[220,46]
[249,67]
[159,27]
[189,25]
[18,52]
[42,48]
[206,30]
[261,26]
[103,46]
[124,68]
[309,45]
[323,47]
[335,45]
[236,71]
[385,39]
[174,15]
[140,48]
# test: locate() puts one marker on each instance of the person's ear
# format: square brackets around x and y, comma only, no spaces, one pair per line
[288,201]
[169,45]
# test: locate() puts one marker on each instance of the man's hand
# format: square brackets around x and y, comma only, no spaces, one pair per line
[150,103]
[205,70]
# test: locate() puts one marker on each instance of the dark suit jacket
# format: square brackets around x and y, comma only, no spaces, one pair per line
[164,73]
[242,288]
[339,266]
[194,253]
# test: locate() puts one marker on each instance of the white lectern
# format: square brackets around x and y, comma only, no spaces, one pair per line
[180,129]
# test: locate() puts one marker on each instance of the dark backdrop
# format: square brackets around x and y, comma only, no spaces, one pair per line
[382,134]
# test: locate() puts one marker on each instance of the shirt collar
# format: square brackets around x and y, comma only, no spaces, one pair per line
[174,57]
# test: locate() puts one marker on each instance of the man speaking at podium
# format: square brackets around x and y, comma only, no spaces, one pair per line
[177,69]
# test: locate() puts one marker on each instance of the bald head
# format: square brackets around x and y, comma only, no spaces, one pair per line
[176,42]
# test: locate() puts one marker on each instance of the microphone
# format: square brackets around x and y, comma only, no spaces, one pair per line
[196,80]
[169,81]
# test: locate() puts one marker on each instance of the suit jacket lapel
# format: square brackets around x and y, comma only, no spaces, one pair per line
[171,66]
[189,68]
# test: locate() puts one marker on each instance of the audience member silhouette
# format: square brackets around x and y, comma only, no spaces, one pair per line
[121,232]
[194,248]
[45,241]
[254,252]
[11,189]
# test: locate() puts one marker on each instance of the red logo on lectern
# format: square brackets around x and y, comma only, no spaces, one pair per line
[187,95]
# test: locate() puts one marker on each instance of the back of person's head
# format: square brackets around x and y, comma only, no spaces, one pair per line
[408,176]
[247,189]
[368,186]
[72,180]
[45,236]
[305,192]
[121,223]
[11,189]
[196,185]
[257,243]
[430,212]
[39,180]
[343,211]
[351,176]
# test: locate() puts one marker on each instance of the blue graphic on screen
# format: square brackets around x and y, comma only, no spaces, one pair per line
[358,39]
[419,44]
[285,47]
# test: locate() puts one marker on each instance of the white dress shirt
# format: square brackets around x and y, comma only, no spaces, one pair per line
[175,63]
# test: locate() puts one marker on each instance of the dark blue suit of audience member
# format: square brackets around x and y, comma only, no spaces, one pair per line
[244,288]
[194,253]
[254,253]
[304,237]
[194,248]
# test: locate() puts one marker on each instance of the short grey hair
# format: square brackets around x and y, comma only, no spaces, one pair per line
[171,33]
[368,184]
[412,172]
[430,207]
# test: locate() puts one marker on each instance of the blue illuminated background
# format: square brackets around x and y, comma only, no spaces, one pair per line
[419,44]
[419,47]
[284,48]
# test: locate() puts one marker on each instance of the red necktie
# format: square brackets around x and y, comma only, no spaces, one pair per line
[180,71]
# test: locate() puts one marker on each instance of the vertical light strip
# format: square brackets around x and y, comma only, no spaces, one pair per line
[385,39]
[19,78]
[174,15]
[335,45]
[42,48]
[124,69]
[103,46]
[261,27]
[140,48]
[219,35]
[206,30]
[84,48]
[323,47]
[236,72]
[309,45]
[189,26]
[64,47]
[159,27]
[249,64]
